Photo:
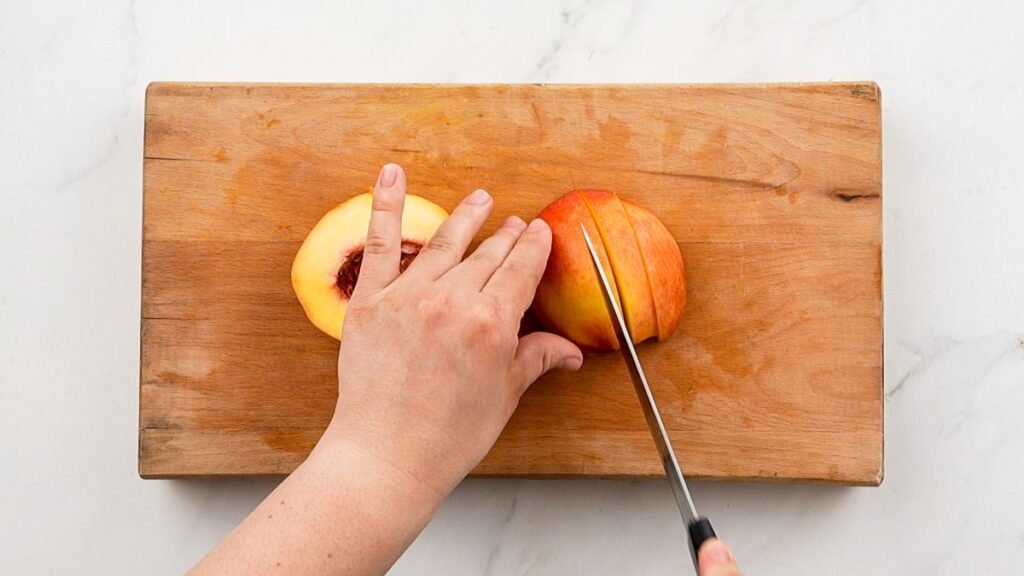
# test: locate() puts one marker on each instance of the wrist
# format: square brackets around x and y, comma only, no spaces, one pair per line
[392,459]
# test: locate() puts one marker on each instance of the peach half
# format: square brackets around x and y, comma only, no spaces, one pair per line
[639,256]
[326,267]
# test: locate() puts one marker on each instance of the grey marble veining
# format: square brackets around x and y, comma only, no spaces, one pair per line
[72,81]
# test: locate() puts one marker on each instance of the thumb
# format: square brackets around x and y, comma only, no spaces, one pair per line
[539,352]
[715,559]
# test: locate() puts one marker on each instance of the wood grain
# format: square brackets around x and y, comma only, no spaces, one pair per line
[773,192]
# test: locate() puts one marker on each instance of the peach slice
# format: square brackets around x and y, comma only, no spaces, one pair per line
[640,255]
[627,261]
[569,299]
[664,265]
[326,267]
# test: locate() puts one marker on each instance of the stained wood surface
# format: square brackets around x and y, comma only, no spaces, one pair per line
[772,191]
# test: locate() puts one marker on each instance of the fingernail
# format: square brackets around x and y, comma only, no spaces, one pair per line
[515,222]
[715,552]
[537,225]
[571,363]
[388,175]
[478,197]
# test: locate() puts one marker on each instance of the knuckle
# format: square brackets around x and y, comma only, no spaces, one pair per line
[485,324]
[434,309]
[440,244]
[486,259]
[519,269]
[494,304]
[512,267]
[482,318]
[386,204]
[377,245]
[547,360]
[511,234]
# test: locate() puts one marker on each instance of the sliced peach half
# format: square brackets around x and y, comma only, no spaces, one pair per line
[326,267]
[639,254]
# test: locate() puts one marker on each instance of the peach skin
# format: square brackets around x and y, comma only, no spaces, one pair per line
[664,265]
[627,262]
[568,300]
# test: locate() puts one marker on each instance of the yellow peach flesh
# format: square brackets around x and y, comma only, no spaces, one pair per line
[340,234]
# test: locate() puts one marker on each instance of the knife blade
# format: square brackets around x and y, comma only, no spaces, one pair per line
[698,527]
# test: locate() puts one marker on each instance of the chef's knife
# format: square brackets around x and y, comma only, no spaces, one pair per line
[698,527]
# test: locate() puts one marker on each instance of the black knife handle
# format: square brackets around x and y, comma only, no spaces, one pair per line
[700,532]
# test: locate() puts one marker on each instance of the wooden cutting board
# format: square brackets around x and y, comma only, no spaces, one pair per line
[773,192]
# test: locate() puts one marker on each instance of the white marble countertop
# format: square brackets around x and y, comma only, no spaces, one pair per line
[72,78]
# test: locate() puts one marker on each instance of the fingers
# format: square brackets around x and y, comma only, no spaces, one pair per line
[476,270]
[715,559]
[540,352]
[515,281]
[451,240]
[383,249]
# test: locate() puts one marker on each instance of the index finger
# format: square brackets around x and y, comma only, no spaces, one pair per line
[382,252]
[516,280]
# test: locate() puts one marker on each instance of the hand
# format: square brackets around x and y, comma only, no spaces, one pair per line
[429,372]
[715,559]
[431,367]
